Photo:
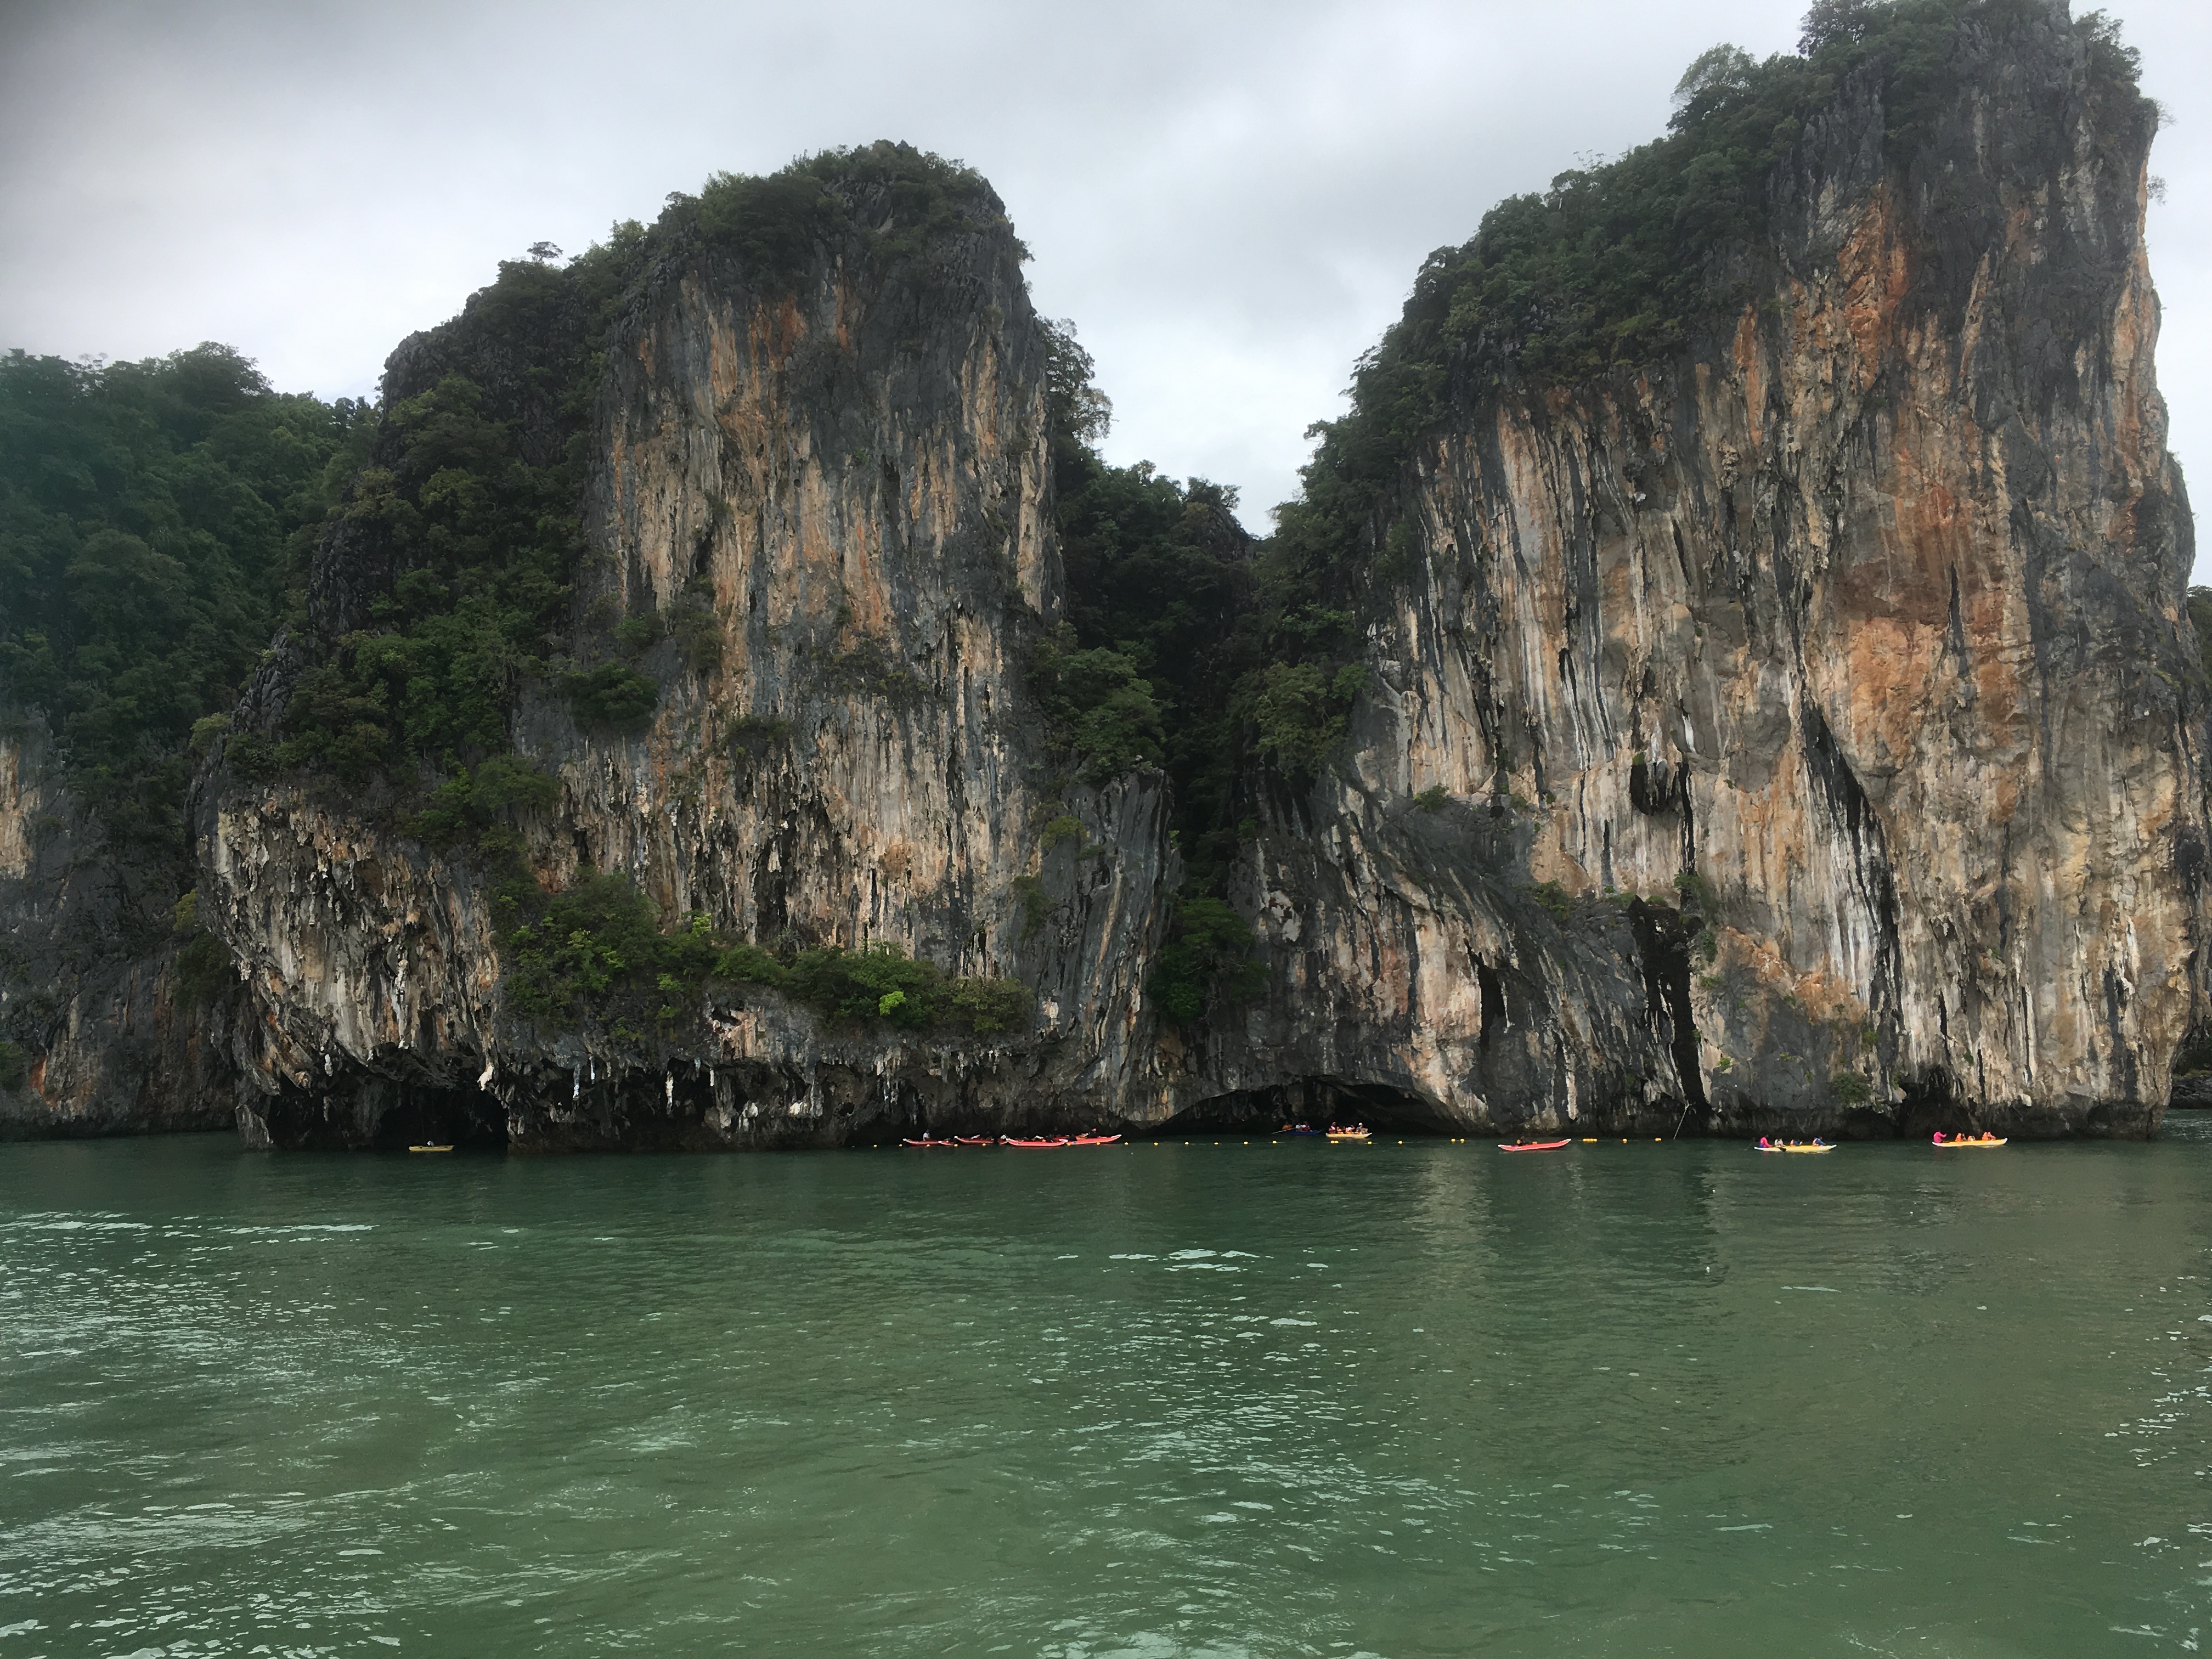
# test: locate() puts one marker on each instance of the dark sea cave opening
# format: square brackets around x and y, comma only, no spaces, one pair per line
[417,1114]
[1314,1101]
[2192,1069]
[369,1112]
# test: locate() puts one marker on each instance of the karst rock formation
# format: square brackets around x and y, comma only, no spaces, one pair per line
[1802,732]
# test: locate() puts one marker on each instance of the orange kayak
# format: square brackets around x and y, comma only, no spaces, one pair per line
[1530,1146]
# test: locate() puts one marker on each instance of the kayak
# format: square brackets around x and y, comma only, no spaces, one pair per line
[1350,1134]
[927,1140]
[1992,1141]
[1530,1146]
[1094,1141]
[972,1140]
[430,1149]
[1018,1140]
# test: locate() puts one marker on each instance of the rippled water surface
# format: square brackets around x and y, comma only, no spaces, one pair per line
[1163,1399]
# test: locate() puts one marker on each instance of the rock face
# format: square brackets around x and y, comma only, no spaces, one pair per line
[849,478]
[1860,622]
[1801,735]
[91,962]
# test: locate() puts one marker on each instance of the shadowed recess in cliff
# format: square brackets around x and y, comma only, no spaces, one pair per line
[1316,1101]
[1668,940]
[366,1111]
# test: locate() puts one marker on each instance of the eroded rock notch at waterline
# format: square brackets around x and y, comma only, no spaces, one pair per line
[1772,708]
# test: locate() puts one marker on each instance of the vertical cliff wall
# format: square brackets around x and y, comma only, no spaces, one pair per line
[109,1031]
[824,498]
[1790,725]
[1816,710]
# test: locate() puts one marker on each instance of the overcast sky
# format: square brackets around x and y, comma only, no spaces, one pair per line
[1229,199]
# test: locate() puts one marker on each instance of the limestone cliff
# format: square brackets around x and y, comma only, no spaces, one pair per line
[1859,624]
[842,479]
[1799,728]
[126,1038]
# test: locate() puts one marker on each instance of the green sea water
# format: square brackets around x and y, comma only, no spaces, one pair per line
[1152,1399]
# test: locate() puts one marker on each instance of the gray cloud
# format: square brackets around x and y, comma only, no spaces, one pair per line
[1229,200]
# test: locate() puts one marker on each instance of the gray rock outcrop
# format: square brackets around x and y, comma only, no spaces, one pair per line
[1802,734]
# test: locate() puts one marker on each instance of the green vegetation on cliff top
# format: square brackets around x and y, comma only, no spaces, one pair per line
[158,521]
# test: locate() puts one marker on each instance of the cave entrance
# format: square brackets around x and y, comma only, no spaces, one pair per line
[366,1111]
[1318,1101]
[416,1115]
[2192,1069]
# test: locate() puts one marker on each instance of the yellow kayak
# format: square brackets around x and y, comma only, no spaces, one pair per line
[1350,1134]
[1797,1147]
[1969,1140]
[430,1149]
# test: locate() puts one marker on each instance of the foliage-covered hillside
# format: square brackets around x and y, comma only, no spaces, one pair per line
[154,519]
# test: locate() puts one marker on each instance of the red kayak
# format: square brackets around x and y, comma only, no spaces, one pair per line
[1532,1146]
[973,1140]
[1094,1141]
[1018,1140]
[927,1140]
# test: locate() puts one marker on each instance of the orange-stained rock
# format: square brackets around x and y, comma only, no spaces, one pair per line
[1884,576]
[1819,726]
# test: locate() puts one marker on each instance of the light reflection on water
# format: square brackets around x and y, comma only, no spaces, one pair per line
[1147,1400]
